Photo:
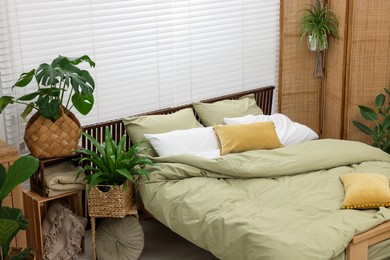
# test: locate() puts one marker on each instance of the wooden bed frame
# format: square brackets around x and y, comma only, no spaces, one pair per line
[263,98]
[358,247]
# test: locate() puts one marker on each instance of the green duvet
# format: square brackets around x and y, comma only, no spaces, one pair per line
[268,204]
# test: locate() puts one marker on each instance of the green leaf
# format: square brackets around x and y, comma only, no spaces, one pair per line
[368,113]
[2,178]
[387,91]
[365,129]
[5,101]
[379,100]
[11,221]
[24,79]
[22,169]
[86,58]
[46,75]
[8,228]
[386,123]
[27,111]
[83,103]
[30,96]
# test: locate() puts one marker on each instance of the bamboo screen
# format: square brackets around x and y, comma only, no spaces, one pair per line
[369,59]
[299,90]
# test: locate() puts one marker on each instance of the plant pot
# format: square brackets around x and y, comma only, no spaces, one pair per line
[314,45]
[47,139]
[111,201]
[15,251]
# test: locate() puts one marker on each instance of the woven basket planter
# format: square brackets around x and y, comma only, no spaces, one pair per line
[16,250]
[111,201]
[47,139]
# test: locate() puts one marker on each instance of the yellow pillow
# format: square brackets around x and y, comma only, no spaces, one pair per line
[365,190]
[246,137]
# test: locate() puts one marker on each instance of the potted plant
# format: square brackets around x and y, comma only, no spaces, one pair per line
[380,117]
[111,173]
[12,219]
[53,130]
[318,23]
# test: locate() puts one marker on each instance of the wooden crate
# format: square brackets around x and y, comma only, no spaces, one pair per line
[36,207]
[37,181]
[9,154]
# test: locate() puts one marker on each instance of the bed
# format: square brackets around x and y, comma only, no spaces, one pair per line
[281,203]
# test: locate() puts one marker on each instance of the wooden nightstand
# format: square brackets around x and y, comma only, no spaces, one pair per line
[9,154]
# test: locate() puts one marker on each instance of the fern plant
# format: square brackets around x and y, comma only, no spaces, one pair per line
[111,164]
[317,24]
[380,116]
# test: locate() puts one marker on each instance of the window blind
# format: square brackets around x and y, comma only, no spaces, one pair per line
[149,54]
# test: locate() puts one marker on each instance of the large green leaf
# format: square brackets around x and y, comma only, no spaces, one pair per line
[365,129]
[386,123]
[8,228]
[11,221]
[83,103]
[21,170]
[368,113]
[46,75]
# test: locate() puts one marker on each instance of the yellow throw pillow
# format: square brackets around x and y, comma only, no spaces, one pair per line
[246,137]
[365,190]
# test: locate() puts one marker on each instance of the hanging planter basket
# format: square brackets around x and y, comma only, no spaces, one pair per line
[47,139]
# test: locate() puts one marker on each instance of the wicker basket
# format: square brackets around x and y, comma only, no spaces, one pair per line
[47,139]
[114,203]
[16,250]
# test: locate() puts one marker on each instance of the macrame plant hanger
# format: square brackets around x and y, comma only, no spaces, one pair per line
[319,66]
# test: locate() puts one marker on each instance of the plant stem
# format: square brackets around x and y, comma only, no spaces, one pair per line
[70,96]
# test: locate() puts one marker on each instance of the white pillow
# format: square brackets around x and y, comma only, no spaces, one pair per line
[196,141]
[289,132]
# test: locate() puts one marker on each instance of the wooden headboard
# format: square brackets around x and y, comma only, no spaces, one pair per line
[263,98]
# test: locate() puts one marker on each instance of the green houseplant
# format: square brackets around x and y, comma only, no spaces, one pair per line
[53,103]
[380,117]
[112,164]
[12,219]
[318,23]
[111,169]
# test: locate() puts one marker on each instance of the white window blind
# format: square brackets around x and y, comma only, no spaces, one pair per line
[149,54]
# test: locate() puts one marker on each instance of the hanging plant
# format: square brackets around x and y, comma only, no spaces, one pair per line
[318,23]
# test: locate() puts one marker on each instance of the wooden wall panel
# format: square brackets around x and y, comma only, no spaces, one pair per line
[334,80]
[368,65]
[299,90]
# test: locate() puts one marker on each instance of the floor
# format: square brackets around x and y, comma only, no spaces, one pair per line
[160,244]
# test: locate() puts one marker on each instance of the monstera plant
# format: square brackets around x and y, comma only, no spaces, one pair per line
[54,131]
[379,116]
[53,81]
[12,219]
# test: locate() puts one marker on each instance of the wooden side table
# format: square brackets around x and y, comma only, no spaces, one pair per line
[36,207]
[9,154]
